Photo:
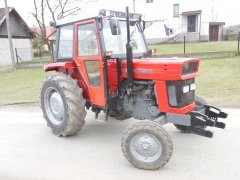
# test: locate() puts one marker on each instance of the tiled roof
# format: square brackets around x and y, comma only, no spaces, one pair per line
[2,13]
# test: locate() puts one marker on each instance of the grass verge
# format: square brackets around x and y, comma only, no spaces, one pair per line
[219,81]
[21,85]
[204,47]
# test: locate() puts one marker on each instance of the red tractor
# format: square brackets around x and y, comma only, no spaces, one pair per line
[103,63]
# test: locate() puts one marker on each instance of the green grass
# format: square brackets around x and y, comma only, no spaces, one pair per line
[21,85]
[204,47]
[218,83]
[43,59]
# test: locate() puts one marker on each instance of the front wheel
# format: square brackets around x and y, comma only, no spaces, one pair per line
[147,145]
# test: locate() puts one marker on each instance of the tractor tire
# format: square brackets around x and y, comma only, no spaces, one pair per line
[62,104]
[200,102]
[147,145]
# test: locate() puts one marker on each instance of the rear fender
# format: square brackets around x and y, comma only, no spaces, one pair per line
[71,69]
[63,67]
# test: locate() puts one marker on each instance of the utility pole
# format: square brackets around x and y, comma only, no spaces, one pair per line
[134,6]
[9,35]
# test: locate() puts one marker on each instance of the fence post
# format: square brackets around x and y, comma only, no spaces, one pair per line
[238,41]
[16,54]
[184,44]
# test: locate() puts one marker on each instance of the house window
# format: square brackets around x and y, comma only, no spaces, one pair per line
[65,48]
[192,23]
[176,10]
[149,1]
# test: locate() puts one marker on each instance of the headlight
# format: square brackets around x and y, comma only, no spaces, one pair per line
[192,87]
[185,89]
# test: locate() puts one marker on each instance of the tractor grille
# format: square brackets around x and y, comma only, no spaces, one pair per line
[176,97]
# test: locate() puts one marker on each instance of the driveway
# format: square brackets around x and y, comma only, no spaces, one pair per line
[29,150]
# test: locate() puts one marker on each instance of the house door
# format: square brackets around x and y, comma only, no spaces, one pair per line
[192,23]
[213,32]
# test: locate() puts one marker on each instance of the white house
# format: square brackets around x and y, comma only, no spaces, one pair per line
[196,20]
[21,36]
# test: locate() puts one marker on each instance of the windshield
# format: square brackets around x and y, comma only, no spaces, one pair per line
[117,43]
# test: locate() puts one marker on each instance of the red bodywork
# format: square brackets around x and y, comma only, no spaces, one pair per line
[158,69]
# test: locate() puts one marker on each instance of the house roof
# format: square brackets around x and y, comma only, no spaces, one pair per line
[2,15]
[12,10]
[192,12]
[217,23]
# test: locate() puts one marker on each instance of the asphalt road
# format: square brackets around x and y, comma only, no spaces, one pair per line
[28,150]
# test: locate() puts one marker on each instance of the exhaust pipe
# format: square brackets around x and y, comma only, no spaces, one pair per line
[129,57]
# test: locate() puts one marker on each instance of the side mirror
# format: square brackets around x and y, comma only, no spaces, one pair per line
[115,27]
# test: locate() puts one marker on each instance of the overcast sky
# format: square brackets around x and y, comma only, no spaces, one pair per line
[229,9]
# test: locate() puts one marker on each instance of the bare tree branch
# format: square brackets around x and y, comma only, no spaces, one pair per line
[52,10]
[58,9]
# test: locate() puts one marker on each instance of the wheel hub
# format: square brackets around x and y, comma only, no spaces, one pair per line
[146,147]
[54,106]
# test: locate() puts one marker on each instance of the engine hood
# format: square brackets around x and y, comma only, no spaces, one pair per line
[162,68]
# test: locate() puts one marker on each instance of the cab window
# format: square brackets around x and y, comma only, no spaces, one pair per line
[92,67]
[87,42]
[65,47]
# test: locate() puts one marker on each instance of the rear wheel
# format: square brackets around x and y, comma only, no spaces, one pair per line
[200,102]
[147,145]
[62,104]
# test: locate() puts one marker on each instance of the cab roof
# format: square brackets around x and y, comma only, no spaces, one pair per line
[101,14]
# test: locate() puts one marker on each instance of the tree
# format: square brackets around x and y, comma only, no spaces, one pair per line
[39,15]
[62,8]
[58,9]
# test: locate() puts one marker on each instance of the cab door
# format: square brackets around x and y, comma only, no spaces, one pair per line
[89,60]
